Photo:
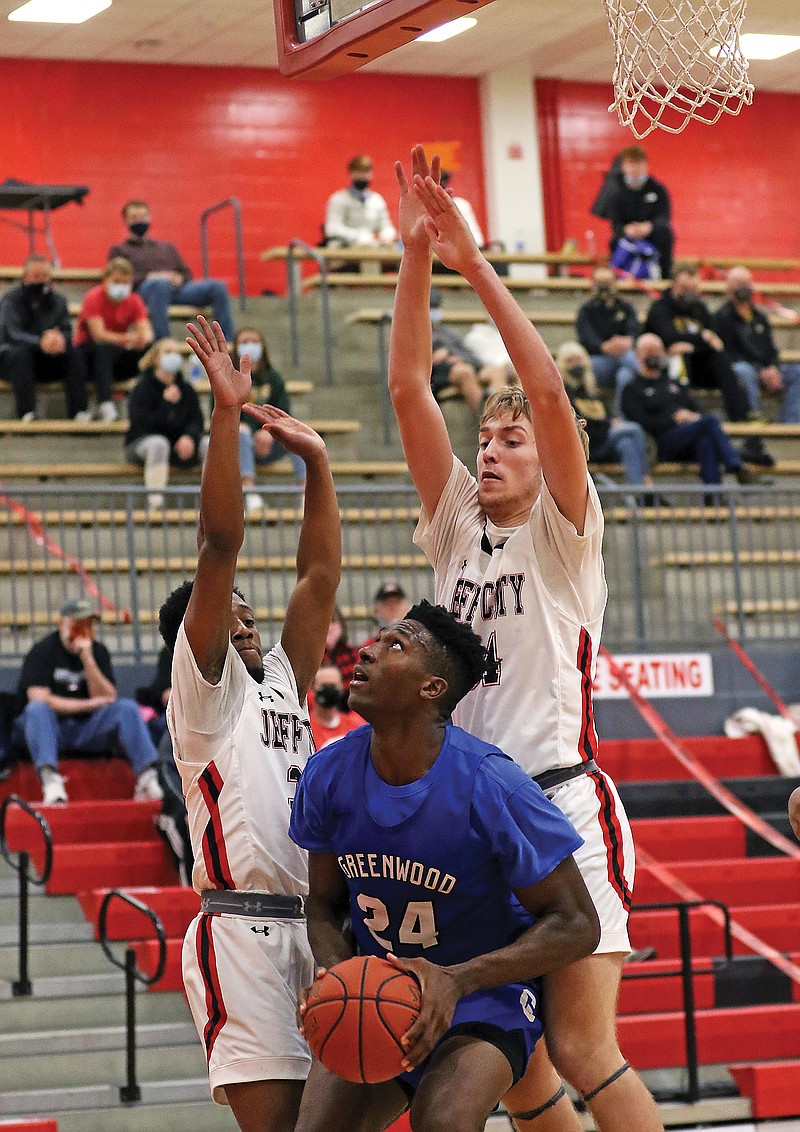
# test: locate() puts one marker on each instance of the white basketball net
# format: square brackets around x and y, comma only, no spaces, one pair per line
[677,60]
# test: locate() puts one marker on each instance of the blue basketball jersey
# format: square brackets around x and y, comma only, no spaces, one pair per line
[431,866]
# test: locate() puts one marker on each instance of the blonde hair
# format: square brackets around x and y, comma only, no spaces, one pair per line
[119,264]
[512,400]
[150,359]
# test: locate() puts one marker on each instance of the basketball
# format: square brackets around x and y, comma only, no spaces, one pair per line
[356,1014]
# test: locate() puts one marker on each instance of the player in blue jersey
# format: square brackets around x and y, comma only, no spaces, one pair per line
[443,853]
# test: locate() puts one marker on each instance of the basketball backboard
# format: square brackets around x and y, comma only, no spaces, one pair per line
[324,38]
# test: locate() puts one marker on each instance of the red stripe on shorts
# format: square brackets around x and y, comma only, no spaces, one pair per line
[207,959]
[587,743]
[612,836]
[215,854]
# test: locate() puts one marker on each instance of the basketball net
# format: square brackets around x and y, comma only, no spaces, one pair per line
[677,60]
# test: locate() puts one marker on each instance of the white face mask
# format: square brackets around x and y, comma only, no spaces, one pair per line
[171,361]
[118,291]
[253,350]
[635,182]
[437,314]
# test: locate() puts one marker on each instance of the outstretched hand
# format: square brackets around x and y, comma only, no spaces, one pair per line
[231,387]
[413,232]
[447,229]
[294,435]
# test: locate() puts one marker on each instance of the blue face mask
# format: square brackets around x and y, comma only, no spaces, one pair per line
[118,291]
[171,362]
[253,350]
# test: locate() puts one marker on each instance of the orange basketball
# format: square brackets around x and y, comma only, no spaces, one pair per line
[356,1014]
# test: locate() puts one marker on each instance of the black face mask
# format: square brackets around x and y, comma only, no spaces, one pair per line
[743,294]
[656,362]
[36,290]
[140,228]
[577,372]
[361,184]
[603,291]
[684,301]
[328,696]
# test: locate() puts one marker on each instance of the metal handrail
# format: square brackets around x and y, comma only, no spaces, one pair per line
[22,986]
[234,204]
[293,282]
[687,972]
[130,1092]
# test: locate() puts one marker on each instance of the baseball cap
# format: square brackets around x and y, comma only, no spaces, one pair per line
[390,589]
[80,608]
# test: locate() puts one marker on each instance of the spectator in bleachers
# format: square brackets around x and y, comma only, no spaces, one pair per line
[166,421]
[485,341]
[257,448]
[747,335]
[338,650]
[152,698]
[610,438]
[357,217]
[389,605]
[161,276]
[36,340]
[794,811]
[638,206]
[665,409]
[464,207]
[685,325]
[608,327]
[68,702]
[326,707]
[112,335]
[456,370]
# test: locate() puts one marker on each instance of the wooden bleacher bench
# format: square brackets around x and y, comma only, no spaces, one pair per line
[372,316]
[692,559]
[258,562]
[26,620]
[104,428]
[177,311]
[665,470]
[105,517]
[13,273]
[293,388]
[365,469]
[758,607]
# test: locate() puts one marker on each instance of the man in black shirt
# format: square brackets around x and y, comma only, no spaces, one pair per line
[665,408]
[607,328]
[36,341]
[639,207]
[68,701]
[745,330]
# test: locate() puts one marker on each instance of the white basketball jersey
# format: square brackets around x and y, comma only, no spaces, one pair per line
[535,594]
[240,748]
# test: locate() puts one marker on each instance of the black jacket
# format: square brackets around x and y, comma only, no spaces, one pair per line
[653,403]
[25,316]
[650,202]
[746,340]
[598,321]
[150,414]
[594,413]
[673,322]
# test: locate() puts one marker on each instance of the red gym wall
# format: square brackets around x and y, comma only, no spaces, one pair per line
[734,185]
[185,137]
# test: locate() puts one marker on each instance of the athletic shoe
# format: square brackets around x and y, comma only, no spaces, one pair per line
[754,452]
[53,789]
[83,416]
[147,787]
[107,411]
[26,418]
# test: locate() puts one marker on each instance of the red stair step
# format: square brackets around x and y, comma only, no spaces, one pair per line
[92,778]
[690,839]
[110,864]
[175,905]
[772,1086]
[147,960]
[776,924]
[637,996]
[83,822]
[32,1125]
[656,1041]
[648,760]
[774,880]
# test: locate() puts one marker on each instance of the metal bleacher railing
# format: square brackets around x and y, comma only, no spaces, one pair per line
[671,570]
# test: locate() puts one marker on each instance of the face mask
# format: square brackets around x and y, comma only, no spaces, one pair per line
[118,291]
[437,314]
[577,371]
[328,696]
[253,350]
[686,299]
[171,362]
[36,290]
[635,182]
[655,362]
[361,184]
[743,294]
[139,228]
[604,291]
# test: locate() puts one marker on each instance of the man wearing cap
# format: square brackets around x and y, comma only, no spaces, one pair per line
[390,605]
[357,216]
[68,702]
